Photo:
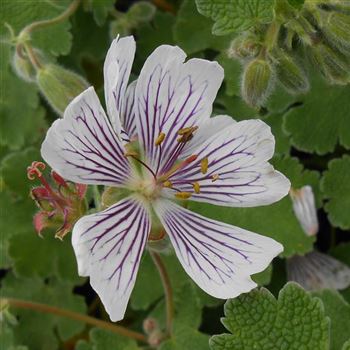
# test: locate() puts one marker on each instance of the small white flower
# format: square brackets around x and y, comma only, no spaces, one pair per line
[160,144]
[305,209]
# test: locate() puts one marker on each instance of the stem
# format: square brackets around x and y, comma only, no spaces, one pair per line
[23,304]
[97,197]
[167,289]
[271,35]
[47,22]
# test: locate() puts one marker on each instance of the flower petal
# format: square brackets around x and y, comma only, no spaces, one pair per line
[171,95]
[108,246]
[128,112]
[82,147]
[238,173]
[116,71]
[220,258]
[207,129]
[316,271]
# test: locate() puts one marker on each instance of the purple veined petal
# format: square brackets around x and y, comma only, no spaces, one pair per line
[205,131]
[128,112]
[116,71]
[238,173]
[304,207]
[108,247]
[220,258]
[83,147]
[171,95]
[316,270]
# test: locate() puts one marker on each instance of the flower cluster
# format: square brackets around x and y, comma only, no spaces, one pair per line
[160,147]
[60,206]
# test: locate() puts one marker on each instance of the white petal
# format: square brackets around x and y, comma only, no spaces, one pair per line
[239,157]
[82,147]
[205,131]
[316,271]
[305,209]
[116,71]
[108,247]
[171,95]
[128,112]
[220,258]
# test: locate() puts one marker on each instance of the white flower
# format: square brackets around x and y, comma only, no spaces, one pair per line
[160,144]
[305,209]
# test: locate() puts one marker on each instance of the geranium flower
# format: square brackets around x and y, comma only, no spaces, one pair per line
[161,146]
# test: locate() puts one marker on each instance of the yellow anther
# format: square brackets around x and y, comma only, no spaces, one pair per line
[214,177]
[183,195]
[204,165]
[196,187]
[185,130]
[160,139]
[167,184]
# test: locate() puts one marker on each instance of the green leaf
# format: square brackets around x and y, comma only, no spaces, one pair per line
[8,340]
[19,13]
[186,338]
[236,15]
[192,32]
[335,186]
[258,321]
[233,70]
[275,120]
[38,330]
[153,34]
[277,220]
[322,120]
[47,257]
[100,9]
[21,123]
[15,217]
[14,170]
[338,310]
[103,340]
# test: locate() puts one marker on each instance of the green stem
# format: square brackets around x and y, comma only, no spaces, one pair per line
[24,304]
[97,197]
[48,22]
[167,289]
[271,35]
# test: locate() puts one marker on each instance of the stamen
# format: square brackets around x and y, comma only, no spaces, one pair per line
[186,134]
[167,184]
[141,162]
[183,195]
[59,179]
[196,187]
[160,139]
[214,177]
[204,165]
[179,166]
[35,170]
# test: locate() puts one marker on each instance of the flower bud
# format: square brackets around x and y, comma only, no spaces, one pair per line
[150,325]
[289,73]
[141,11]
[23,67]
[333,65]
[244,46]
[336,27]
[59,86]
[304,208]
[257,82]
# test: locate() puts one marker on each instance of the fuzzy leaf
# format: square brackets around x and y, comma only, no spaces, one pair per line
[335,186]
[258,321]
[235,15]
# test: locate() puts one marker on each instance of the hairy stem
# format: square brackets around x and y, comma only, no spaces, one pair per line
[23,304]
[48,22]
[167,289]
